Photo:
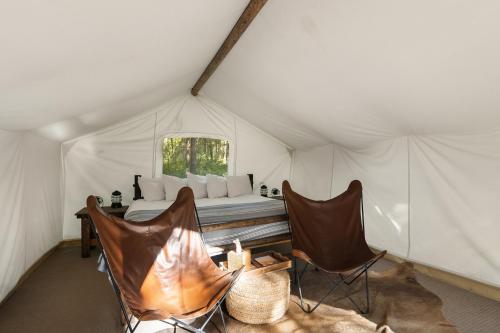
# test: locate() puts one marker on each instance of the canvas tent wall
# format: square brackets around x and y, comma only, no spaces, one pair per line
[431,199]
[30,203]
[107,160]
[400,94]
[407,213]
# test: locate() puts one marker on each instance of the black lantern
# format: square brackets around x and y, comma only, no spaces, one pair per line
[263,190]
[116,199]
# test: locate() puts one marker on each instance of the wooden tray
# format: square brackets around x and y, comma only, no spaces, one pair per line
[265,262]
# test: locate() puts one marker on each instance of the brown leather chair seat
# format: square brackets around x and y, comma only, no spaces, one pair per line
[160,268]
[330,234]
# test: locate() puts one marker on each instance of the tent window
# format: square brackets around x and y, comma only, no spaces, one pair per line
[200,156]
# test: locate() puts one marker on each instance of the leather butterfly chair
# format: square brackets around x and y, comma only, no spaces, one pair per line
[160,269]
[330,235]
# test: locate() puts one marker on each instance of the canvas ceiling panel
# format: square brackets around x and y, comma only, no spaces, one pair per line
[103,162]
[235,95]
[12,237]
[42,195]
[95,55]
[454,204]
[383,171]
[265,157]
[362,71]
[312,172]
[103,117]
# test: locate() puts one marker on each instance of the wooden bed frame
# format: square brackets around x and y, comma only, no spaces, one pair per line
[278,239]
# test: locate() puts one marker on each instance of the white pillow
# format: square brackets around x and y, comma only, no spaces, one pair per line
[216,186]
[198,184]
[238,185]
[172,186]
[152,189]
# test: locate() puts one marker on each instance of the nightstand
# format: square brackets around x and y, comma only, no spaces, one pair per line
[88,237]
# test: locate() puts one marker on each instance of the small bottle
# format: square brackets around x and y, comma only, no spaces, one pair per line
[235,258]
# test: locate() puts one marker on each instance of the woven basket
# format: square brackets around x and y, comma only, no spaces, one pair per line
[260,299]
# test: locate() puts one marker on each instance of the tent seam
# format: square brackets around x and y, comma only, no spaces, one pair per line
[409,197]
[153,167]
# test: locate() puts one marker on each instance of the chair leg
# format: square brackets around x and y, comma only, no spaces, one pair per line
[297,278]
[135,327]
[367,292]
[346,281]
[210,316]
[222,318]
[125,315]
[307,308]
[294,263]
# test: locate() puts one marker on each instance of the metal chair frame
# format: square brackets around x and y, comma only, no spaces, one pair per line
[174,322]
[341,281]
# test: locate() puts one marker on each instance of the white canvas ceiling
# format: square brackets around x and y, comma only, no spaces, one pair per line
[355,71]
[308,72]
[73,62]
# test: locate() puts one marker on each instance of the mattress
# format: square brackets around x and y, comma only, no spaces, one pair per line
[223,210]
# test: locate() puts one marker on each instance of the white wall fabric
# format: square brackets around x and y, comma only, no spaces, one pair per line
[312,172]
[42,197]
[107,160]
[257,152]
[431,199]
[30,203]
[103,162]
[455,191]
[13,235]
[383,170]
[326,171]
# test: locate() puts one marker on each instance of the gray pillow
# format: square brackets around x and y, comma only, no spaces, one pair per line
[152,189]
[238,185]
[216,186]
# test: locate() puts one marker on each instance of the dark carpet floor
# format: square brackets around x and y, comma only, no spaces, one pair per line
[67,294]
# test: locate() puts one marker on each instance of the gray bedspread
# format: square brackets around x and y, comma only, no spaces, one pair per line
[229,213]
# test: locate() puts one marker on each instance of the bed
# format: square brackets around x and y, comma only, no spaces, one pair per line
[255,220]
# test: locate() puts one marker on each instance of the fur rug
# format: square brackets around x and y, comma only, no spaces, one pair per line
[398,304]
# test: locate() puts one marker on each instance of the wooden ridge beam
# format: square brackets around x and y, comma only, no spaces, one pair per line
[250,12]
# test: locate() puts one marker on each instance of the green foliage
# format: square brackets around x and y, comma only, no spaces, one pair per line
[196,155]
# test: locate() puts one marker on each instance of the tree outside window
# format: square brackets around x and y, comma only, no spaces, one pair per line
[200,156]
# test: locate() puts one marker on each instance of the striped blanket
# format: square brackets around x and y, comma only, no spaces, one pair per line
[216,214]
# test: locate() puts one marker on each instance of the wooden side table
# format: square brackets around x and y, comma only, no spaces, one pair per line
[88,237]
